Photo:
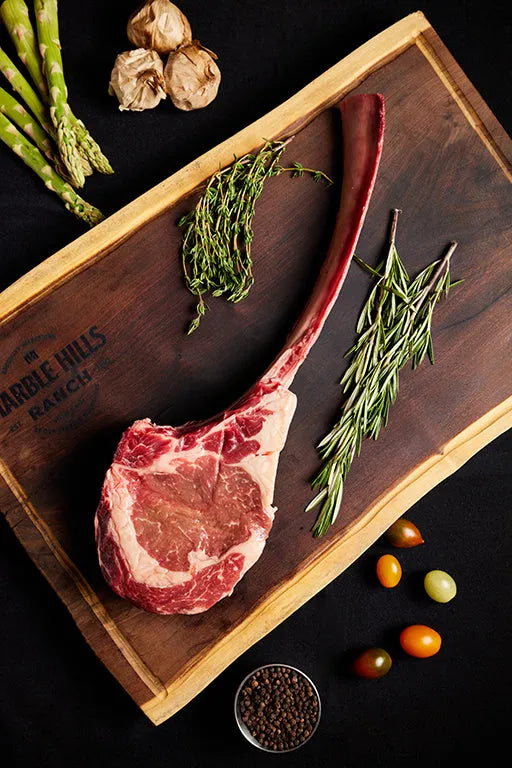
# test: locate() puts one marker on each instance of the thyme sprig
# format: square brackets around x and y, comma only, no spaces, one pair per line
[218,232]
[395,327]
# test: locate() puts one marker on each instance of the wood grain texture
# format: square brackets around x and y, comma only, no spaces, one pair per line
[101,337]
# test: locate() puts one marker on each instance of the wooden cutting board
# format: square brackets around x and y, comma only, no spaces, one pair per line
[96,334]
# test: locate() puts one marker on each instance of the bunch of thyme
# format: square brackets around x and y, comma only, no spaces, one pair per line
[218,232]
[395,327]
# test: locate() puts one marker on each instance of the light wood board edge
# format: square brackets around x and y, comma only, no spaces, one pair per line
[324,90]
[467,108]
[328,564]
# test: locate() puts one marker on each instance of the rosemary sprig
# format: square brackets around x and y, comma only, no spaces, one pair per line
[218,232]
[395,327]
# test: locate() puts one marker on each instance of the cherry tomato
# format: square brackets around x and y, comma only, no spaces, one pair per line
[403,534]
[440,586]
[420,641]
[389,570]
[372,663]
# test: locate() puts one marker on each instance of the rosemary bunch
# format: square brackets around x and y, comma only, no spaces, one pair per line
[395,327]
[218,232]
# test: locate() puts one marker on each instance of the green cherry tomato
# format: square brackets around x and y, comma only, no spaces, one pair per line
[403,534]
[372,663]
[440,586]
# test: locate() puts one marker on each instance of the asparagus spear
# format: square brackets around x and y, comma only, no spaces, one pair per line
[25,90]
[32,157]
[72,136]
[18,114]
[59,110]
[15,15]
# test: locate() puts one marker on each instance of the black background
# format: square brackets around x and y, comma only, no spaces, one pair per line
[59,706]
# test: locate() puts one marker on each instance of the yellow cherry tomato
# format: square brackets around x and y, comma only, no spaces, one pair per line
[420,641]
[389,571]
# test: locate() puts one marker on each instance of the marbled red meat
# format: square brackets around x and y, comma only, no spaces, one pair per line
[185,512]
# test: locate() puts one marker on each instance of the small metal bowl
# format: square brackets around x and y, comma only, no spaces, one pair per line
[244,729]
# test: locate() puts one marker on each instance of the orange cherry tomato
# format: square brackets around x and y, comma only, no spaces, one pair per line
[389,571]
[403,534]
[420,641]
[372,663]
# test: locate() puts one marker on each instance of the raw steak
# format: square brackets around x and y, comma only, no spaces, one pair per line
[185,512]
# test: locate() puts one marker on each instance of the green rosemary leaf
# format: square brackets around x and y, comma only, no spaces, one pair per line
[316,500]
[367,267]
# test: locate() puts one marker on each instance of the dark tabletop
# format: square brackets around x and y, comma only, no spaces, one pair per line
[59,705]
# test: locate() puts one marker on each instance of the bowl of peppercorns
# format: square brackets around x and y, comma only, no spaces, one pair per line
[277,708]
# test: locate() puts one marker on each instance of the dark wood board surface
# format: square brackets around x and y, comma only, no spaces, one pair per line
[128,311]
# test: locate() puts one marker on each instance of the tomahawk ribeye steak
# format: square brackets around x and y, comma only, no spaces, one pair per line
[185,512]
